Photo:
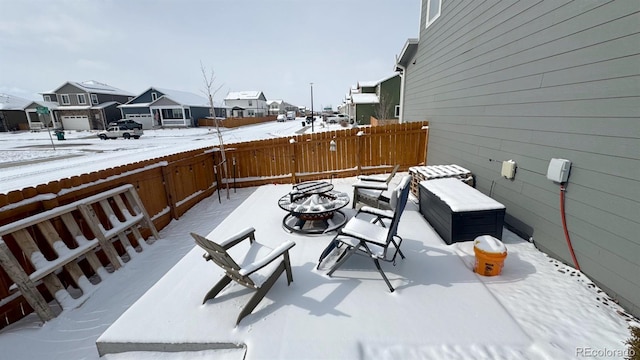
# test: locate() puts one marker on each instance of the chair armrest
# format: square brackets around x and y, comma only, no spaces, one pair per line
[235,239]
[375,211]
[259,264]
[373,178]
[370,185]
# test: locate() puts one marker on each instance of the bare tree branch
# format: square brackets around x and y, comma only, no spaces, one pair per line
[381,110]
[209,81]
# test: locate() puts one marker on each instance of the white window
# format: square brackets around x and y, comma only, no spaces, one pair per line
[47,98]
[250,103]
[94,99]
[397,112]
[82,99]
[433,11]
[65,99]
[154,96]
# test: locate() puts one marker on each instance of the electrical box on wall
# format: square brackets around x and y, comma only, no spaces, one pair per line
[508,169]
[558,170]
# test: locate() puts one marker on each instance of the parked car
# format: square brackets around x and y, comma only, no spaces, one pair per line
[337,118]
[114,132]
[291,115]
[281,118]
[127,124]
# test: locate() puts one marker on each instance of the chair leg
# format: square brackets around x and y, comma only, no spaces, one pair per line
[332,245]
[383,275]
[350,251]
[287,268]
[217,288]
[260,293]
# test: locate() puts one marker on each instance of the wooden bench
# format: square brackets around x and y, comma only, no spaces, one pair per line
[110,216]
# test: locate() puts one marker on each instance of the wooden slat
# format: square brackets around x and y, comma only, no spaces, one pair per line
[93,221]
[74,230]
[24,284]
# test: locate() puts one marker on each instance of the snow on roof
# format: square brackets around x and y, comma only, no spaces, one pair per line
[48,104]
[278,101]
[375,83]
[243,95]
[92,86]
[10,102]
[184,97]
[365,98]
[104,105]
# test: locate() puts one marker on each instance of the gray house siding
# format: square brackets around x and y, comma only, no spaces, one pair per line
[534,80]
[71,90]
[103,98]
[146,96]
[198,112]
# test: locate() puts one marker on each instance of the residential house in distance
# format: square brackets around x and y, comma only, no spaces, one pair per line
[12,113]
[532,82]
[402,62]
[277,107]
[379,99]
[247,104]
[86,105]
[167,108]
[41,114]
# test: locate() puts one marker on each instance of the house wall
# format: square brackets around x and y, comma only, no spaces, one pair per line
[391,90]
[363,113]
[198,112]
[71,90]
[531,81]
[136,110]
[103,98]
[257,106]
[146,96]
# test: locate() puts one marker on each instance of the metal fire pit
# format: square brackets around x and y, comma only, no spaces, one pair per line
[313,208]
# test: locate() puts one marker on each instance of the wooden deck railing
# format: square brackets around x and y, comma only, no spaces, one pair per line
[169,186]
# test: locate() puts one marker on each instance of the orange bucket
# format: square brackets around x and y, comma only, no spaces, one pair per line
[490,254]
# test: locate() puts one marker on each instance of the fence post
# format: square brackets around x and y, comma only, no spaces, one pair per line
[167,180]
[293,164]
[359,151]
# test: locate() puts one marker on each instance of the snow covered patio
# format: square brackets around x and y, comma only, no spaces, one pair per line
[537,308]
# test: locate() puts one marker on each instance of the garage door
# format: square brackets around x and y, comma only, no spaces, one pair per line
[145,119]
[76,123]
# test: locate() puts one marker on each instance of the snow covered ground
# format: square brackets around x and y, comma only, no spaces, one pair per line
[537,308]
[29,158]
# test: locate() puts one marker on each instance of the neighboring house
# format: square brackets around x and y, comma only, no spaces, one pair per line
[86,105]
[532,81]
[402,62]
[379,98]
[167,108]
[280,107]
[37,120]
[12,114]
[247,104]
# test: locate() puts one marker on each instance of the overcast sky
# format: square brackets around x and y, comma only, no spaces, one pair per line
[275,46]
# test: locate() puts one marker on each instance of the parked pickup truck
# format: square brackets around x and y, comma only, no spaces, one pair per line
[114,132]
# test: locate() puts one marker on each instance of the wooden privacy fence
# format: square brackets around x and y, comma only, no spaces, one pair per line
[305,157]
[169,186]
[232,122]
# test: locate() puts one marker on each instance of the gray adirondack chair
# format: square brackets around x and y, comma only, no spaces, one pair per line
[258,269]
[373,190]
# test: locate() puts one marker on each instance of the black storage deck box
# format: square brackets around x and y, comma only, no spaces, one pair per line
[459,212]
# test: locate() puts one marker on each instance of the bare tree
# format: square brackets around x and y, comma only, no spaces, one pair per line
[382,109]
[208,84]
